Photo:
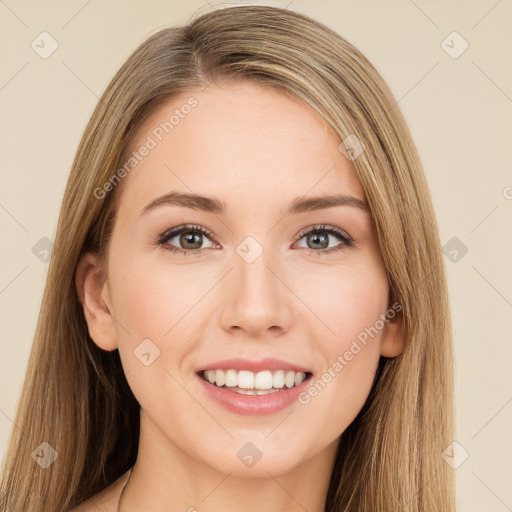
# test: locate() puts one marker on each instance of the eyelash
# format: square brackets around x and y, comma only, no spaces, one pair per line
[347,241]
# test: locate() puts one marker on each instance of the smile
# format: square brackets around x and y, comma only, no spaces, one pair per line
[247,382]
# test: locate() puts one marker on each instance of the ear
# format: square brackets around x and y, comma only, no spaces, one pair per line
[94,295]
[393,339]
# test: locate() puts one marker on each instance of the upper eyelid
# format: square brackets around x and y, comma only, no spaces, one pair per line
[323,227]
[171,233]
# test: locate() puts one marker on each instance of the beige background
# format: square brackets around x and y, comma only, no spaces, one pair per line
[459,110]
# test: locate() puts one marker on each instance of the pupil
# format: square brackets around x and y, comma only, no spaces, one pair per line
[316,238]
[190,237]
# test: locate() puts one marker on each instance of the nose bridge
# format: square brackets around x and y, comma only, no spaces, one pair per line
[257,299]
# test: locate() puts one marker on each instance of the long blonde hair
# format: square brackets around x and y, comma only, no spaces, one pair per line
[75,396]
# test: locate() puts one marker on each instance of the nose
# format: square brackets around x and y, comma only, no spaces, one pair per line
[258,302]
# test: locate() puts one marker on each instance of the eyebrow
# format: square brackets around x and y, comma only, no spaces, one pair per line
[212,205]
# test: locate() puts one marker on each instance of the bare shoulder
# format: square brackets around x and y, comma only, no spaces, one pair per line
[106,500]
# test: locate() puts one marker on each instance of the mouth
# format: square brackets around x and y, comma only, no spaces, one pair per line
[246,382]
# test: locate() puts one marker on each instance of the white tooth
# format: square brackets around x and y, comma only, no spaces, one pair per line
[245,379]
[278,379]
[299,377]
[220,377]
[263,380]
[231,380]
[289,380]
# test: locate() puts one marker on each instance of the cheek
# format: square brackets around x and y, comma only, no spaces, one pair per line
[153,302]
[151,297]
[347,299]
[145,309]
[349,302]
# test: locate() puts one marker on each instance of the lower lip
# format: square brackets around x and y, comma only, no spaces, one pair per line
[254,404]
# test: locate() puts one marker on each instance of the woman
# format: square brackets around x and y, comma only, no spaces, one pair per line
[246,295]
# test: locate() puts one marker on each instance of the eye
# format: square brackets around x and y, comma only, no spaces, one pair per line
[317,239]
[189,239]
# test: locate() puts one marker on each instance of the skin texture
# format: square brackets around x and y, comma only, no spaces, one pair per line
[257,150]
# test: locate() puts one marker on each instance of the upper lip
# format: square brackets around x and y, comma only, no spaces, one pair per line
[268,363]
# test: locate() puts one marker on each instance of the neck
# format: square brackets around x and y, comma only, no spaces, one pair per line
[166,478]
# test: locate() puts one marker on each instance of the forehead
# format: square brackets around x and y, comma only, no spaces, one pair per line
[236,141]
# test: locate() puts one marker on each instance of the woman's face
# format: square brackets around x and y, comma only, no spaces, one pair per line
[263,285]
